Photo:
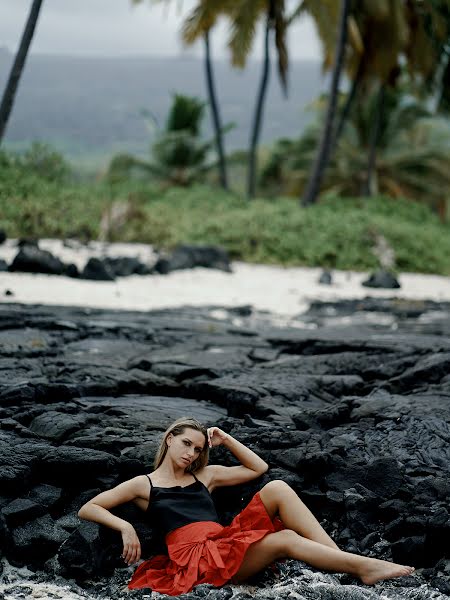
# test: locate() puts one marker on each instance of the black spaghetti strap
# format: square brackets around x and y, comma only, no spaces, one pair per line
[194,476]
[151,484]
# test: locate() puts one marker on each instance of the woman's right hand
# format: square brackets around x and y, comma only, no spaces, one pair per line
[131,545]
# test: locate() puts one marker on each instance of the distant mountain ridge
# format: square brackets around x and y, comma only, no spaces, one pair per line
[93,106]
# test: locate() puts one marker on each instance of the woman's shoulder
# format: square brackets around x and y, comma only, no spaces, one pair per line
[206,475]
[139,485]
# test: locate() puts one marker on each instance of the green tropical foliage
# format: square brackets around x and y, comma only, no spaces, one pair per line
[413,154]
[40,160]
[199,23]
[335,233]
[179,155]
[383,35]
[243,17]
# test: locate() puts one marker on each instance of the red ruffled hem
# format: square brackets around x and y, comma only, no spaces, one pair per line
[205,552]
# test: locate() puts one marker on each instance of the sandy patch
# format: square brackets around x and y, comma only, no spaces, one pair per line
[284,291]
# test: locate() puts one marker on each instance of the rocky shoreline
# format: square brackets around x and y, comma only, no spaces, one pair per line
[350,406]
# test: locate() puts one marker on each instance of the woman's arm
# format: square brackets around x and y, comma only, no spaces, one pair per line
[252,466]
[98,510]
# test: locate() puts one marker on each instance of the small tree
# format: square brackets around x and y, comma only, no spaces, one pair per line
[180,156]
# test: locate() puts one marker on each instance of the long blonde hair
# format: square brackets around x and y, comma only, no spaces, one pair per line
[177,428]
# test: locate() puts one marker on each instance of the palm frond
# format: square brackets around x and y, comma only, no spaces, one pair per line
[244,18]
[280,27]
[413,161]
[326,18]
[199,20]
[354,35]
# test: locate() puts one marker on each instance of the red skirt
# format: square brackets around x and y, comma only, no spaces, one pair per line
[205,552]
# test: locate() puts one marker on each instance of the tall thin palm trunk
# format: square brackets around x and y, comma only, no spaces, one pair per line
[256,128]
[17,67]
[370,185]
[323,154]
[443,103]
[345,113]
[215,113]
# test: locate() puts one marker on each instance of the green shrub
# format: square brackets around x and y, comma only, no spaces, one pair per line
[45,162]
[336,233]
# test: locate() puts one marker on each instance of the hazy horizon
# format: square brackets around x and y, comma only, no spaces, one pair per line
[115,26]
[182,56]
[95,106]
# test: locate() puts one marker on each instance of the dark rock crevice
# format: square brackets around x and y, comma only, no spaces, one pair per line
[355,418]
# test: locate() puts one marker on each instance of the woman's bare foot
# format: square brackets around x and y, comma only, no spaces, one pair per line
[375,570]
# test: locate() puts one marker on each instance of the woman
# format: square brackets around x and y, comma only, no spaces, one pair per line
[275,524]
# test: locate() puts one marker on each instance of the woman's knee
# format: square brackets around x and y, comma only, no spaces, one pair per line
[273,493]
[277,486]
[285,541]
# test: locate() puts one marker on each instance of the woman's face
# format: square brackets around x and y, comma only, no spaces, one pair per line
[183,449]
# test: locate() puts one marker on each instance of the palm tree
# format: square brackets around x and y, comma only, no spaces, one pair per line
[17,67]
[370,187]
[313,186]
[244,16]
[416,30]
[217,122]
[380,33]
[179,154]
[348,105]
[259,107]
[413,149]
[199,24]
[431,26]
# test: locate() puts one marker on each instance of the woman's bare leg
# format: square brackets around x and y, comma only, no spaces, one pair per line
[280,499]
[288,544]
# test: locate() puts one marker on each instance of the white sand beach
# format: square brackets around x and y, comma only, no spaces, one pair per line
[283,291]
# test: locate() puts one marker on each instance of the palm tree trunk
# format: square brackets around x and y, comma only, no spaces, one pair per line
[17,68]
[321,162]
[345,113]
[256,128]
[370,186]
[215,113]
[443,104]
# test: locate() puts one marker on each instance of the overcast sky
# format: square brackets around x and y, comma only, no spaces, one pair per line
[115,28]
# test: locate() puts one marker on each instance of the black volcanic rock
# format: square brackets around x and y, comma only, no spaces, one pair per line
[31,259]
[56,426]
[82,552]
[353,415]
[21,510]
[382,279]
[46,495]
[326,278]
[63,463]
[188,257]
[123,266]
[71,270]
[98,270]
[36,540]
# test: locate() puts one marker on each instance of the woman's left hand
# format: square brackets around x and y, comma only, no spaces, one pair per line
[216,436]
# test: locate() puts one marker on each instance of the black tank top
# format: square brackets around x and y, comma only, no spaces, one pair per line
[173,507]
